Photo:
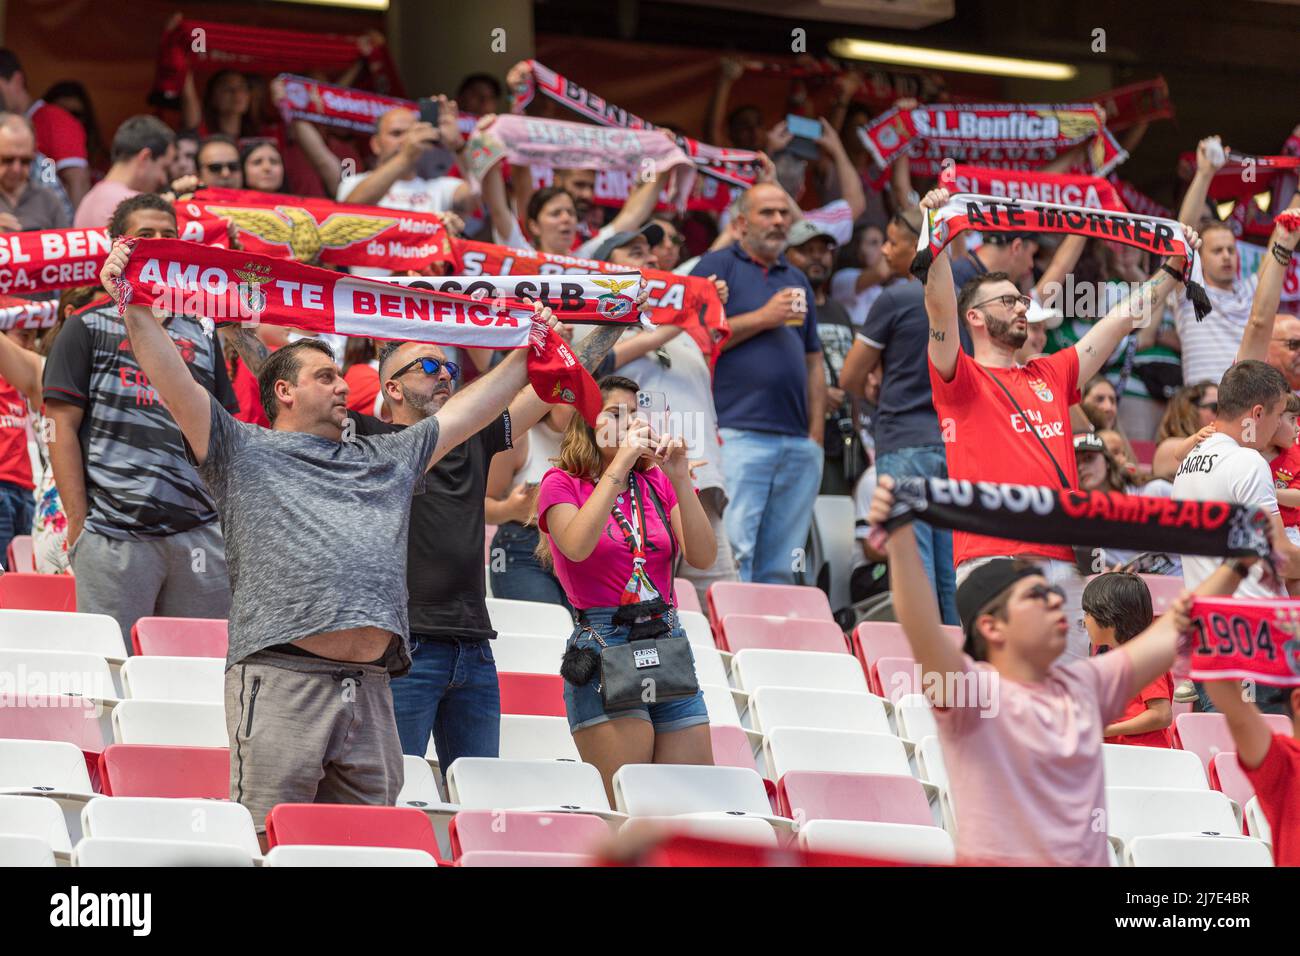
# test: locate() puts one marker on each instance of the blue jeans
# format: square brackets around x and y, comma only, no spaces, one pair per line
[451,692]
[772,481]
[17,509]
[522,578]
[928,461]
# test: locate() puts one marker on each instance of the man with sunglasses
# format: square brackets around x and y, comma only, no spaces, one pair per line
[24,205]
[143,151]
[1004,422]
[218,162]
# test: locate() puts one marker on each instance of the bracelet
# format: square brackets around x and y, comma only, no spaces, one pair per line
[1240,568]
[1166,267]
[1282,255]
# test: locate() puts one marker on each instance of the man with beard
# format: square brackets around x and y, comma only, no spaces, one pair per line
[769,391]
[1004,422]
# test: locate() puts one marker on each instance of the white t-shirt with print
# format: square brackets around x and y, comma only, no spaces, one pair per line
[1210,345]
[409,195]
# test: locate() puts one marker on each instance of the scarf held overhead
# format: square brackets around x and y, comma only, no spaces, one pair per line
[51,259]
[345,107]
[228,286]
[1091,192]
[1255,640]
[22,314]
[1164,237]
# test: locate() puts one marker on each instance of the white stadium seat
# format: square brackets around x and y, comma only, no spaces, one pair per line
[18,849]
[902,842]
[529,617]
[170,722]
[62,631]
[841,751]
[159,818]
[419,786]
[528,737]
[35,817]
[308,855]
[528,653]
[709,668]
[771,707]
[1148,811]
[143,851]
[665,790]
[697,629]
[51,673]
[1256,823]
[1130,766]
[720,705]
[45,765]
[915,717]
[199,680]
[1198,850]
[491,783]
[754,667]
[724,827]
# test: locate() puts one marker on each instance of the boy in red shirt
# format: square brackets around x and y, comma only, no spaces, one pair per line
[1271,761]
[1116,609]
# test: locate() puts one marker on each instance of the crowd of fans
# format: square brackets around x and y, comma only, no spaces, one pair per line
[198,484]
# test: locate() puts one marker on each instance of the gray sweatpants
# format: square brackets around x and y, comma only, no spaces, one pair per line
[310,730]
[179,575]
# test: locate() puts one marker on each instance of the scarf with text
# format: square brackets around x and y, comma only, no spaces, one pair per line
[1164,237]
[264,50]
[1243,176]
[345,107]
[1013,136]
[739,167]
[561,144]
[689,301]
[586,299]
[1234,639]
[1091,519]
[22,314]
[225,286]
[314,230]
[1136,103]
[51,259]
[1090,192]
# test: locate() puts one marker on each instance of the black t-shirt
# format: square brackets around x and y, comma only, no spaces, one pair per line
[444,551]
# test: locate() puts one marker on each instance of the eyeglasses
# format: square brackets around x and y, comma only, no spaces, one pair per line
[1292,345]
[1041,592]
[1211,406]
[20,160]
[1009,302]
[675,239]
[431,366]
[221,167]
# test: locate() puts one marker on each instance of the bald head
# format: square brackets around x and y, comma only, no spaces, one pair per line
[389,130]
[17,142]
[764,218]
[412,393]
[1284,349]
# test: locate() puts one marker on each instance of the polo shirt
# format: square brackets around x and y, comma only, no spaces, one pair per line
[37,208]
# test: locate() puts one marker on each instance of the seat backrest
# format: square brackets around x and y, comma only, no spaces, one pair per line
[541,695]
[731,747]
[688,599]
[1227,776]
[152,770]
[833,521]
[200,680]
[1144,811]
[879,797]
[178,723]
[1196,850]
[873,640]
[419,786]
[181,636]
[915,717]
[1257,824]
[898,677]
[490,783]
[1204,735]
[754,668]
[771,707]
[335,824]
[930,765]
[17,849]
[783,600]
[842,751]
[120,851]
[720,705]
[741,631]
[1130,766]
[307,855]
[696,626]
[536,738]
[43,765]
[528,654]
[516,859]
[900,842]
[529,617]
[38,592]
[70,673]
[61,631]
[35,817]
[709,668]
[21,554]
[664,790]
[724,827]
[522,831]
[154,818]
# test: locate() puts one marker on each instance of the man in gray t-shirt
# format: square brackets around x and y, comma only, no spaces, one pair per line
[315,520]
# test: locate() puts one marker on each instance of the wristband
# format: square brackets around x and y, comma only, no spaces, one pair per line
[1240,568]
[1166,267]
[1281,254]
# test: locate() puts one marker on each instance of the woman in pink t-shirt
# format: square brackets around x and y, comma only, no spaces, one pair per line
[619,493]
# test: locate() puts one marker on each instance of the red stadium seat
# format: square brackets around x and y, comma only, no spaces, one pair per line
[148,770]
[1207,734]
[681,850]
[38,592]
[21,556]
[1227,777]
[780,600]
[740,631]
[538,695]
[731,747]
[868,797]
[688,599]
[72,720]
[332,824]
[898,676]
[1164,589]
[872,640]
[522,831]
[1145,451]
[180,637]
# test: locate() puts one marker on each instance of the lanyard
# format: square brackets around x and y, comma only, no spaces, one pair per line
[634,532]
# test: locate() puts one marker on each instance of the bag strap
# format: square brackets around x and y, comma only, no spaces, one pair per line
[672,539]
[1065,482]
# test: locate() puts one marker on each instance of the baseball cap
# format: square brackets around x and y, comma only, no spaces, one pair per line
[654,234]
[1088,441]
[1041,313]
[805,230]
[983,586]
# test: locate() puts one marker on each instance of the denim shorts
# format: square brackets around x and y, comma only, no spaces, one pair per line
[583,703]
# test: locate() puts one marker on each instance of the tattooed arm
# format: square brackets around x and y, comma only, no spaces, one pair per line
[941,301]
[252,350]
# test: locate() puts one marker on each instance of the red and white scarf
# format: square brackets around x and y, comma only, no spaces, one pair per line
[1136,103]
[315,230]
[345,107]
[1234,639]
[1010,135]
[613,187]
[51,259]
[1164,237]
[585,299]
[1090,192]
[23,314]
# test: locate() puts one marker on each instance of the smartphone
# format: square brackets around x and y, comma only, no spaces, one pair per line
[429,110]
[653,407]
[806,132]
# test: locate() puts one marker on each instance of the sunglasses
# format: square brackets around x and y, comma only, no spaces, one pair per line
[1292,345]
[1009,302]
[1041,592]
[221,167]
[430,366]
[1212,406]
[20,160]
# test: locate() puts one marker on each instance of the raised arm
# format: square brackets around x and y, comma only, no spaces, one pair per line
[251,349]
[415,141]
[849,180]
[941,301]
[729,71]
[1193,207]
[496,204]
[1250,732]
[1268,293]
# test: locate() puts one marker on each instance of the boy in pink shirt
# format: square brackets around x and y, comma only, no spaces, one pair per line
[1021,731]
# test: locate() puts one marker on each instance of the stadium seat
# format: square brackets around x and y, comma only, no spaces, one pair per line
[161,818]
[528,654]
[519,831]
[872,640]
[307,855]
[709,668]
[541,695]
[33,816]
[21,555]
[38,592]
[336,824]
[529,617]
[44,766]
[915,717]
[197,680]
[1164,589]
[1227,777]
[145,851]
[898,842]
[1207,734]
[731,747]
[688,599]
[898,677]
[1257,824]
[490,783]
[419,786]
[697,628]
[1197,850]
[771,707]
[62,631]
[731,829]
[61,673]
[1145,451]
[171,722]
[151,770]
[754,668]
[782,600]
[720,705]
[833,520]
[667,790]
[930,768]
[180,637]
[1129,766]
[536,738]
[517,859]
[17,850]
[1147,811]
[842,751]
[871,797]
[741,631]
